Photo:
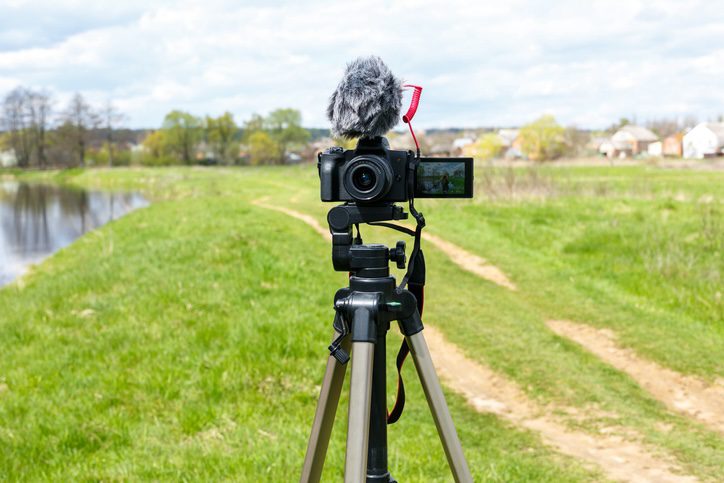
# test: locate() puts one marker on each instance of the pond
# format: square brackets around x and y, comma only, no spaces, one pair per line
[38,220]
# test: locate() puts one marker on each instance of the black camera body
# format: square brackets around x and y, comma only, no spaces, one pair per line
[371,173]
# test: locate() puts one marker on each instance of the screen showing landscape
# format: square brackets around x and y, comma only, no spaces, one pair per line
[440,178]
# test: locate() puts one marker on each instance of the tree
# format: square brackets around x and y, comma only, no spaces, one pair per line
[220,133]
[62,145]
[253,125]
[575,141]
[26,117]
[182,132]
[111,118]
[542,139]
[488,146]
[80,118]
[39,109]
[285,128]
[623,121]
[155,144]
[262,148]
[16,123]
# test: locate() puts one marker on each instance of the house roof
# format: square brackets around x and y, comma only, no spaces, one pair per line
[639,133]
[461,142]
[715,127]
[508,136]
[718,129]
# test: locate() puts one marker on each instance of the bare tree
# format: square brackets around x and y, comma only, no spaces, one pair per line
[689,121]
[39,107]
[111,118]
[16,122]
[664,126]
[80,118]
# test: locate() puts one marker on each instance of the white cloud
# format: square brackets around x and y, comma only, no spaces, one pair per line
[481,63]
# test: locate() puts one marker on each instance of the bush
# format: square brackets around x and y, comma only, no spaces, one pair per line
[543,139]
[148,159]
[101,157]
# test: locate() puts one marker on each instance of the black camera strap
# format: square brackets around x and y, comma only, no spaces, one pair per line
[414,279]
[417,288]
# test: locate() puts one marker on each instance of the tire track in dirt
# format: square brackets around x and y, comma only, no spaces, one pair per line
[683,394]
[486,391]
[620,459]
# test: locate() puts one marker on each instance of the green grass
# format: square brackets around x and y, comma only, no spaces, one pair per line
[187,341]
[635,249]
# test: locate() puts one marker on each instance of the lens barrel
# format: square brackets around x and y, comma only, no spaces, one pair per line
[368,178]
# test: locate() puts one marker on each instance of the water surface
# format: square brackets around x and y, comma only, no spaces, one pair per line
[37,220]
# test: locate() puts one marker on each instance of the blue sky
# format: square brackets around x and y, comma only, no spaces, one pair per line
[481,63]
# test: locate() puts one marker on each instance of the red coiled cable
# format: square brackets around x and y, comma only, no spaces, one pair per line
[407,118]
[413,103]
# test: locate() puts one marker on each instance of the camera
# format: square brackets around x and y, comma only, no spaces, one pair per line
[374,173]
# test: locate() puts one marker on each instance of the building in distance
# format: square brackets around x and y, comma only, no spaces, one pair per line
[705,140]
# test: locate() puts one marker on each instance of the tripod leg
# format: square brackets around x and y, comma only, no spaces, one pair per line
[438,407]
[324,417]
[355,467]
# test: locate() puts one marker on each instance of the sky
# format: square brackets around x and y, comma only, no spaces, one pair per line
[481,63]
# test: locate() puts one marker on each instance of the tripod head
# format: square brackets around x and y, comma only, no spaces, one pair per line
[348,252]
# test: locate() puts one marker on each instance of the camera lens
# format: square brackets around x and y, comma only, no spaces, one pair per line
[364,178]
[368,178]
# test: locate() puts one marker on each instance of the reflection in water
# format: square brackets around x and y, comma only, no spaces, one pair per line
[37,220]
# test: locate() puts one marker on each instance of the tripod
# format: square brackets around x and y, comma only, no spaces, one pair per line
[364,311]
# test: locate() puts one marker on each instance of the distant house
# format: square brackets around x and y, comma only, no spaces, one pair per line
[440,149]
[611,148]
[204,154]
[293,158]
[7,158]
[135,147]
[673,145]
[460,143]
[632,140]
[704,140]
[508,136]
[511,142]
[595,143]
[655,149]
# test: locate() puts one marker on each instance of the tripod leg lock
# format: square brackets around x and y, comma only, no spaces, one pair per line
[411,325]
[335,348]
[409,315]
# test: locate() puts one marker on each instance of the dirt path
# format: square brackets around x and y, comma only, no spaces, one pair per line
[684,394]
[470,262]
[309,220]
[464,259]
[619,458]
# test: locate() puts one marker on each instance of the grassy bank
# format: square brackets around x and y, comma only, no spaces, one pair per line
[635,249]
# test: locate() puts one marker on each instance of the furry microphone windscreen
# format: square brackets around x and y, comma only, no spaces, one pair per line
[367,101]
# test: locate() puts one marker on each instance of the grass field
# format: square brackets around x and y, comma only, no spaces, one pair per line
[186,340]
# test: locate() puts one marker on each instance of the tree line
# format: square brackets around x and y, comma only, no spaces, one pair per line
[187,139]
[80,134]
[39,136]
